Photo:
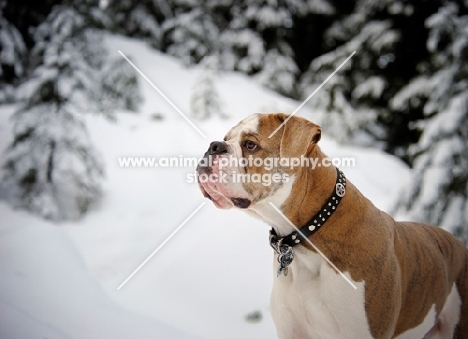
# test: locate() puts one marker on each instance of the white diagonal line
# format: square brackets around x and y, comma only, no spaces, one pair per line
[162,94]
[315,247]
[160,246]
[313,93]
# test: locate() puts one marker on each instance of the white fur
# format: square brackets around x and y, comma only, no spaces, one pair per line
[450,314]
[445,325]
[231,188]
[249,124]
[313,301]
[423,328]
[265,211]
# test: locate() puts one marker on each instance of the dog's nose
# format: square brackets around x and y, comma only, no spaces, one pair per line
[216,148]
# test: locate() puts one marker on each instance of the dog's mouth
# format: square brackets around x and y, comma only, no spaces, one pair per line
[221,201]
[215,190]
[241,202]
[220,198]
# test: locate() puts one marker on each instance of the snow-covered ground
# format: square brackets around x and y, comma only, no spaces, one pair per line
[60,281]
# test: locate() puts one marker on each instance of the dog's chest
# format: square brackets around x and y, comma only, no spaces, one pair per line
[314,301]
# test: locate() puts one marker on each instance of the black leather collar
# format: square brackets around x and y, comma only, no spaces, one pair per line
[283,246]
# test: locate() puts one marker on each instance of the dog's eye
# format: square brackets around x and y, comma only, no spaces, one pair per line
[250,146]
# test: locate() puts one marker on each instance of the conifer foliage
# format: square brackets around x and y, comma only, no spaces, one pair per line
[139,19]
[205,101]
[438,193]
[51,167]
[354,99]
[12,57]
[192,33]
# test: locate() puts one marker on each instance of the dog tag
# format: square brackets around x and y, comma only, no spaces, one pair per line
[283,270]
[285,258]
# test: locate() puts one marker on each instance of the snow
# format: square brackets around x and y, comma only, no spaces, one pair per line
[13,47]
[267,16]
[238,40]
[372,87]
[60,280]
[278,72]
[48,292]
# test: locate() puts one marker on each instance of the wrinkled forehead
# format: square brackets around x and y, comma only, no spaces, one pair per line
[248,125]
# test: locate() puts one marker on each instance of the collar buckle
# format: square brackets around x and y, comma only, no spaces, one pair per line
[275,243]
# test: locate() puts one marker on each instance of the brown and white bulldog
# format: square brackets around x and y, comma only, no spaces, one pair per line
[411,279]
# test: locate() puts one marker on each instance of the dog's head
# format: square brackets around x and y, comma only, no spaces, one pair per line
[249,165]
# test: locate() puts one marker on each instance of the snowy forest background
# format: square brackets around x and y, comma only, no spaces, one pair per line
[74,223]
[405,91]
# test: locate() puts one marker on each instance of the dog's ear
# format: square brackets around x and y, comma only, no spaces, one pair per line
[299,136]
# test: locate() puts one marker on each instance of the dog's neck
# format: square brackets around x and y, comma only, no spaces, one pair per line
[299,203]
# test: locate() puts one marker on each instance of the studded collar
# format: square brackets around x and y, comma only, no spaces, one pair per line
[283,246]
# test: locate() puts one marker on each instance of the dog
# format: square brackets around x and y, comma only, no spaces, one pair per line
[343,268]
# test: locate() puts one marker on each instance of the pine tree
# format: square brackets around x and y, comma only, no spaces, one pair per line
[273,19]
[241,48]
[138,19]
[192,33]
[438,193]
[117,88]
[351,101]
[389,39]
[256,42]
[51,168]
[12,57]
[205,101]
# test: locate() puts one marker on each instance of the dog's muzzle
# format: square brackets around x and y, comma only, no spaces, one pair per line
[216,148]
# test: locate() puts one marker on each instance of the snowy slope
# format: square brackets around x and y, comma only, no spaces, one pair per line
[47,291]
[213,273]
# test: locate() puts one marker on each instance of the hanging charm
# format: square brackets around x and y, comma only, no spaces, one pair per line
[285,258]
[285,253]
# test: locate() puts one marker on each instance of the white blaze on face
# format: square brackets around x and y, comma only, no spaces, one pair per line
[235,188]
[249,124]
[230,187]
